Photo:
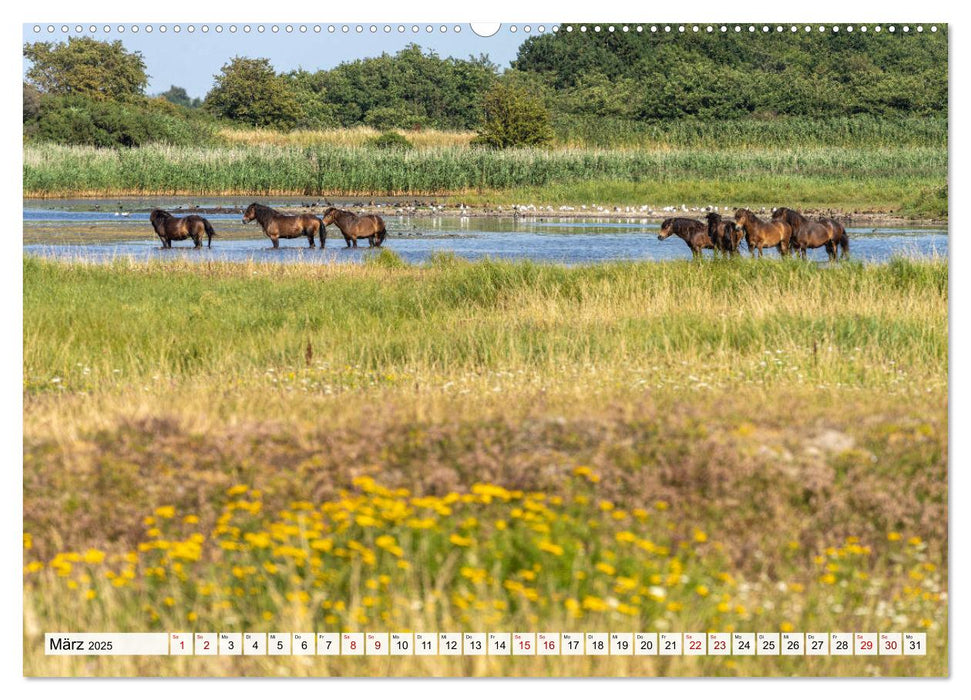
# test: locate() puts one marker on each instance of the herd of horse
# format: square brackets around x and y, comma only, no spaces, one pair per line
[275,225]
[787,231]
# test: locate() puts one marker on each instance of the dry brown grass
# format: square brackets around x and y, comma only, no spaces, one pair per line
[356,136]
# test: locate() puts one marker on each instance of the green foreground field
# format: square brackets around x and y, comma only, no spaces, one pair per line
[909,180]
[687,446]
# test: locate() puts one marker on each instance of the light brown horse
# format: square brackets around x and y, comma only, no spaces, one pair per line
[171,228]
[276,225]
[691,231]
[807,234]
[352,226]
[763,234]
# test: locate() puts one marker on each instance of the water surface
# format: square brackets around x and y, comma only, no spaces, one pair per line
[106,229]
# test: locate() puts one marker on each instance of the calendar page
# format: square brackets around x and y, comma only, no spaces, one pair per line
[540,349]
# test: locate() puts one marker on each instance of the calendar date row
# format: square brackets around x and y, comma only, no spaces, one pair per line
[488,644]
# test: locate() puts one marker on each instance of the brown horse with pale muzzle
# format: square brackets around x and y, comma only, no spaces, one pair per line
[763,234]
[276,225]
[171,228]
[691,231]
[352,226]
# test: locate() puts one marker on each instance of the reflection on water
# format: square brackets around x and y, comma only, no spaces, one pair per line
[66,230]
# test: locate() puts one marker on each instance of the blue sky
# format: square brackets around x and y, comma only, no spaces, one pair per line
[191,59]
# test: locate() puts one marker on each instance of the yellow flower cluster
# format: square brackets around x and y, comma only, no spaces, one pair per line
[371,554]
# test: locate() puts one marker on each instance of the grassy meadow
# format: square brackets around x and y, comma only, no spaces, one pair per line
[687,446]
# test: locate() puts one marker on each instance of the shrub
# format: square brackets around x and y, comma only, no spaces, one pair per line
[513,118]
[391,139]
[78,120]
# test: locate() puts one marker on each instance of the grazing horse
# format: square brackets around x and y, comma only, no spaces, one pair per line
[763,234]
[840,238]
[691,231]
[277,225]
[171,228]
[724,234]
[352,226]
[808,234]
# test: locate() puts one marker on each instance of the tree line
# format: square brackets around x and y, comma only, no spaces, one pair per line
[89,91]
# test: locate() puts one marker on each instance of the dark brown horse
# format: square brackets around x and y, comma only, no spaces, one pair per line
[724,234]
[691,231]
[840,238]
[763,234]
[808,234]
[277,225]
[352,226]
[171,228]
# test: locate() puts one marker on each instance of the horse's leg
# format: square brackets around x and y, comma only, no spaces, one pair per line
[310,237]
[276,241]
[355,241]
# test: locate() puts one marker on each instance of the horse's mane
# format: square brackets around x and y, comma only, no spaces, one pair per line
[751,214]
[263,212]
[681,225]
[159,214]
[790,216]
[343,214]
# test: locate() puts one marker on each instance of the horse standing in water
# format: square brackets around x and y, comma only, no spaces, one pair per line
[691,231]
[812,234]
[840,238]
[763,234]
[352,226]
[724,234]
[171,228]
[276,225]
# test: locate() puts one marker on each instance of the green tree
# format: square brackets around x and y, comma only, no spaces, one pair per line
[249,91]
[83,66]
[32,102]
[513,118]
[178,96]
[307,88]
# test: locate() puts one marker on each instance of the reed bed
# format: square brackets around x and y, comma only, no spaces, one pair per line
[51,170]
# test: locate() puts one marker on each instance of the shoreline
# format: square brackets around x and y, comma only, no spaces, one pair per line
[435,207]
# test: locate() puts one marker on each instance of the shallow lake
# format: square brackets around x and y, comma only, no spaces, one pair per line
[101,230]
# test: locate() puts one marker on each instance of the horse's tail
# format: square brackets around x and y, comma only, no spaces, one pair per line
[322,231]
[209,230]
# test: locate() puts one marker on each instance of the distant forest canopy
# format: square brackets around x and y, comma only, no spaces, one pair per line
[87,91]
[656,76]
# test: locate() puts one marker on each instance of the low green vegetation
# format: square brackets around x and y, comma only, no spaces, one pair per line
[456,316]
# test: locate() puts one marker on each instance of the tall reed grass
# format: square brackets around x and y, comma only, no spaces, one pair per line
[52,170]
